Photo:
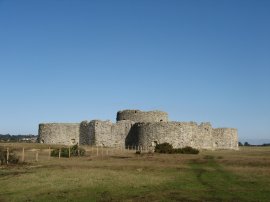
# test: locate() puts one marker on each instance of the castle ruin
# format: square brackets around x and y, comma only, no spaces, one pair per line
[139,128]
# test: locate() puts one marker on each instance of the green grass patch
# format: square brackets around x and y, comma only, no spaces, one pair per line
[155,177]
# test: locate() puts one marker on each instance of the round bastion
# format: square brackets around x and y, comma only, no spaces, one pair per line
[178,134]
[59,133]
[141,116]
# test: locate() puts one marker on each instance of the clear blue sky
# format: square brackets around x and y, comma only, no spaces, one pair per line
[199,60]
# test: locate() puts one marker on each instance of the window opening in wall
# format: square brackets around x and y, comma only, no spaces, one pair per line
[73,141]
[42,141]
[161,120]
[135,112]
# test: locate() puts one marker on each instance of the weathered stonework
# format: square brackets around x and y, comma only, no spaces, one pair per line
[225,138]
[137,128]
[108,134]
[140,116]
[84,138]
[181,134]
[59,133]
[120,131]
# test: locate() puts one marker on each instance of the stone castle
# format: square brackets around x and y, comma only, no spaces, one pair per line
[139,128]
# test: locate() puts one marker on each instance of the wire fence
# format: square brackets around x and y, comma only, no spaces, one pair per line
[43,153]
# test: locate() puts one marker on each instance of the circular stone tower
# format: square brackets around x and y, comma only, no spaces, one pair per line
[59,133]
[141,116]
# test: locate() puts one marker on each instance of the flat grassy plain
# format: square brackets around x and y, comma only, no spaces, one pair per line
[242,175]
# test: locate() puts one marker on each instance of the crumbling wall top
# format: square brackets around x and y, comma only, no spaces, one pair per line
[142,116]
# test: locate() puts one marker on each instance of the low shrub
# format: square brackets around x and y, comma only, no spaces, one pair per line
[167,148]
[177,151]
[3,156]
[190,150]
[138,152]
[74,151]
[12,157]
[164,148]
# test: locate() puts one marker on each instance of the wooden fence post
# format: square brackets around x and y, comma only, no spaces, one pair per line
[59,154]
[68,152]
[7,155]
[102,151]
[49,153]
[23,155]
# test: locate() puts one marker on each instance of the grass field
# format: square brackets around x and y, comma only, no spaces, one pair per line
[242,175]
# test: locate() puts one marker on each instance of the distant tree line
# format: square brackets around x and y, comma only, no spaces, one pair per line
[18,138]
[252,145]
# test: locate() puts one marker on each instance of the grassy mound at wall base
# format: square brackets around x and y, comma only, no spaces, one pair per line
[167,148]
[74,151]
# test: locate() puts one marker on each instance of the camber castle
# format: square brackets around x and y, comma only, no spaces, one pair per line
[139,128]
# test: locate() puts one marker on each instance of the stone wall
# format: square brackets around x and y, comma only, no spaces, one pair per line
[59,133]
[204,136]
[84,133]
[182,134]
[140,116]
[179,134]
[96,132]
[91,132]
[120,131]
[102,133]
[225,138]
[138,128]
[107,134]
